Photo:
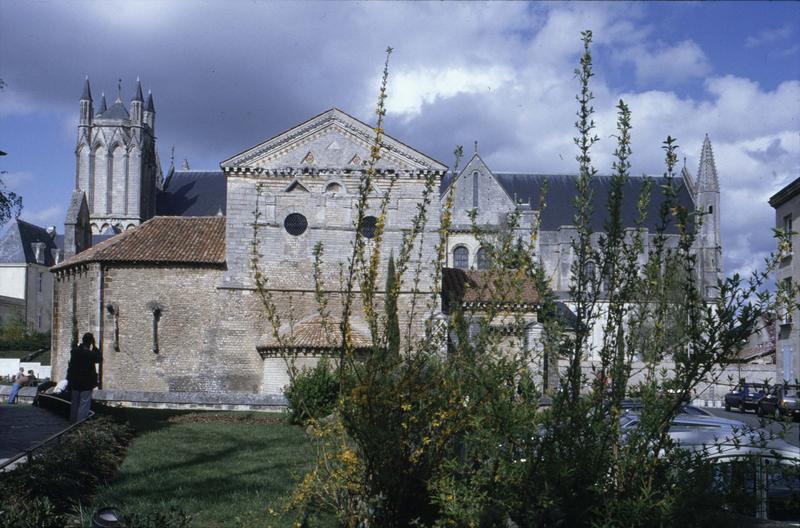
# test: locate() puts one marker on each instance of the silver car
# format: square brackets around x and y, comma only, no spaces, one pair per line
[750,462]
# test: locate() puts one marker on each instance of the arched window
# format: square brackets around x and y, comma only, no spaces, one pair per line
[461,257]
[334,189]
[368,227]
[482,259]
[590,271]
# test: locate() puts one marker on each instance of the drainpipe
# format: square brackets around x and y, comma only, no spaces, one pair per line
[99,327]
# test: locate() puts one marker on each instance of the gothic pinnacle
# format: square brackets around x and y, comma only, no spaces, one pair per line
[138,96]
[707,171]
[150,107]
[103,105]
[87,91]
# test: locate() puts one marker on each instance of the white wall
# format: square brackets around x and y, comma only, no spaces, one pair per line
[12,281]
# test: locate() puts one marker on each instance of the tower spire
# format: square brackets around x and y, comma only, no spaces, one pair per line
[138,96]
[150,107]
[119,91]
[707,171]
[87,91]
[103,105]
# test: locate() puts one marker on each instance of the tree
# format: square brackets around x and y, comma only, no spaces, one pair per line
[10,203]
[461,439]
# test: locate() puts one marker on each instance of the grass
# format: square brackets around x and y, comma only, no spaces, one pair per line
[43,358]
[225,469]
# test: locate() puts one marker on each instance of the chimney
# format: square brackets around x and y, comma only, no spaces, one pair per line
[38,251]
[51,230]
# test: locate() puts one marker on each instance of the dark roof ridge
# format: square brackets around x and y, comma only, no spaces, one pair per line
[573,175]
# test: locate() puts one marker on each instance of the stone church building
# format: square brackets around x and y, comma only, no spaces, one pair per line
[172,298]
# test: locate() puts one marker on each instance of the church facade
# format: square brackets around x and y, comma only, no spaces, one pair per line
[172,298]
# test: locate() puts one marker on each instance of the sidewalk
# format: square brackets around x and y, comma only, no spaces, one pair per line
[22,426]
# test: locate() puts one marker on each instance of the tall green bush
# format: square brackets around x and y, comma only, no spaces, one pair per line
[312,393]
[461,440]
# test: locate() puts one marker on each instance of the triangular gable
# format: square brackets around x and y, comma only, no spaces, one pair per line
[296,186]
[475,163]
[351,140]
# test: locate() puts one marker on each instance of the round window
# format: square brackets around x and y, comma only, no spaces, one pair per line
[368,226]
[295,224]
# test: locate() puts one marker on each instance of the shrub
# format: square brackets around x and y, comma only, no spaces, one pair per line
[67,472]
[15,335]
[459,439]
[312,393]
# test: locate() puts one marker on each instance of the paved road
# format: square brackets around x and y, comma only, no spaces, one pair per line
[22,426]
[792,431]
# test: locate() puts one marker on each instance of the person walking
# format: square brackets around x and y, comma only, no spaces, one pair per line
[19,381]
[82,377]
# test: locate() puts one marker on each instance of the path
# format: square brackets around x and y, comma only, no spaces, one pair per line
[22,426]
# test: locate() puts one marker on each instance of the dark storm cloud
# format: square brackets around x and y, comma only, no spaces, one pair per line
[227,75]
[224,75]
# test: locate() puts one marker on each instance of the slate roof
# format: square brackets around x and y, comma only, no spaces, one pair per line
[115,111]
[162,240]
[15,243]
[192,193]
[310,334]
[561,192]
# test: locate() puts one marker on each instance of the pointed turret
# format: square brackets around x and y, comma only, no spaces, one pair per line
[150,111]
[707,172]
[150,106]
[103,105]
[136,104]
[138,95]
[87,112]
[87,91]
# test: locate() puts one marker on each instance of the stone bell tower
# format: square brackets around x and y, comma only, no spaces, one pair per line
[116,160]
[709,243]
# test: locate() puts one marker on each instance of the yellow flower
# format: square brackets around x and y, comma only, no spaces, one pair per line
[406,407]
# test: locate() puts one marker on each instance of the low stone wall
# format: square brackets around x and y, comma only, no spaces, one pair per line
[25,394]
[233,401]
[711,391]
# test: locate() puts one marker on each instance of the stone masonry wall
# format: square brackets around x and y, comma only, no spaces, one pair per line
[75,312]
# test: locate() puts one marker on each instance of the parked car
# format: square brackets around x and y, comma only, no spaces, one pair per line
[782,400]
[745,396]
[758,474]
[635,405]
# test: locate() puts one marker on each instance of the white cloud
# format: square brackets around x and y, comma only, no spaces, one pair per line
[15,181]
[768,36]
[49,215]
[411,89]
[667,64]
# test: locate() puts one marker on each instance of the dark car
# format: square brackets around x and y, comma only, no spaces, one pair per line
[745,396]
[782,400]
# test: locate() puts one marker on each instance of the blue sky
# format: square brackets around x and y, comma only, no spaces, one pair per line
[226,75]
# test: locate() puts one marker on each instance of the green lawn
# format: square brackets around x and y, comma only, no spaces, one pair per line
[226,469]
[43,358]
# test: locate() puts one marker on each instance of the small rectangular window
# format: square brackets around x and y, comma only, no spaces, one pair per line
[41,280]
[475,189]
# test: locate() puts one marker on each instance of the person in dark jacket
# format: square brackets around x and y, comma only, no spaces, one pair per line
[82,376]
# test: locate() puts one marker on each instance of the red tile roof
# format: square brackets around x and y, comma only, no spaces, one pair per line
[478,287]
[161,240]
[312,334]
